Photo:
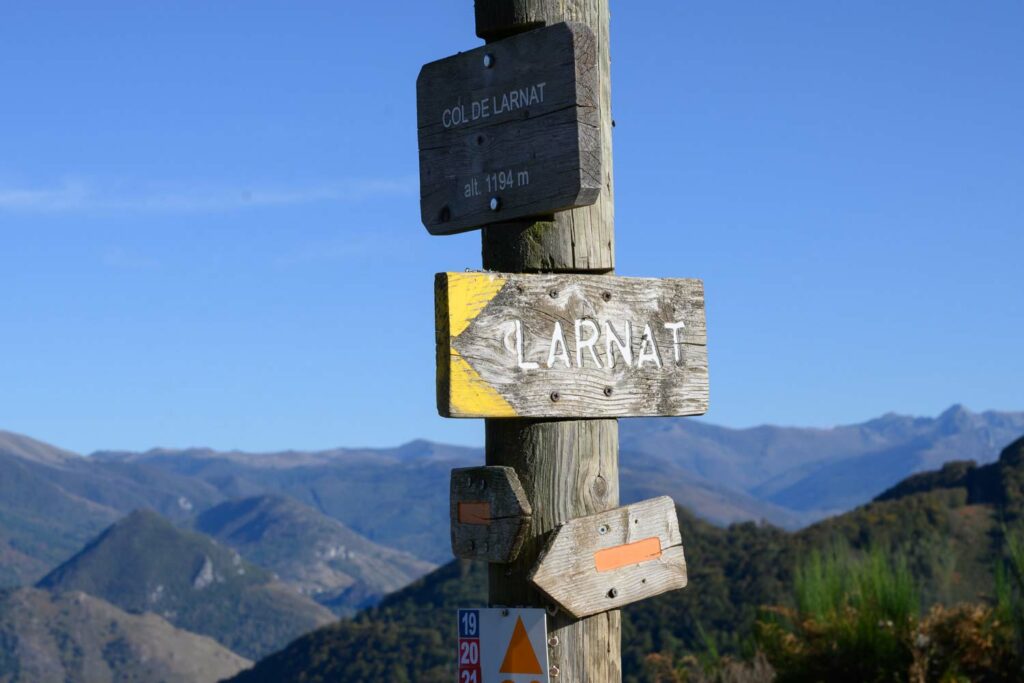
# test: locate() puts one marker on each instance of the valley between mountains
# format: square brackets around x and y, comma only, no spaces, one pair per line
[190,564]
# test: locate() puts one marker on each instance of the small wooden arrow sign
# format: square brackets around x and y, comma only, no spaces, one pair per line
[510,130]
[611,559]
[590,346]
[490,514]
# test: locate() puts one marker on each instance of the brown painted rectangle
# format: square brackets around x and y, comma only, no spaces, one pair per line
[475,513]
[624,555]
[516,121]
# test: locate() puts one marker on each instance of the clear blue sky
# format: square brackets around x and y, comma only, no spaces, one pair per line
[209,224]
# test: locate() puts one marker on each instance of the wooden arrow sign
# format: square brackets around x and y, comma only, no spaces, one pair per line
[509,130]
[611,559]
[490,514]
[575,346]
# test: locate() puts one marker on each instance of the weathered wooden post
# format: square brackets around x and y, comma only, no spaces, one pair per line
[569,468]
[547,345]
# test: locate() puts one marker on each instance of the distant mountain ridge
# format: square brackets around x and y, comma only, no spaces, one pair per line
[317,555]
[789,476]
[54,500]
[143,563]
[813,473]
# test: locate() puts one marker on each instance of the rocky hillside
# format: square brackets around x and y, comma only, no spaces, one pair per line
[144,563]
[76,638]
[318,556]
[53,501]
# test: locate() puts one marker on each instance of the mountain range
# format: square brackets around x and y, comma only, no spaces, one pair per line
[947,525]
[784,475]
[52,501]
[232,555]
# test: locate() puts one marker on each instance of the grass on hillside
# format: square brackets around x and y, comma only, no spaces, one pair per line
[857,618]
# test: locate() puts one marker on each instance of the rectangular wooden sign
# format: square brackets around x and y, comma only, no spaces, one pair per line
[572,346]
[605,561]
[490,514]
[509,130]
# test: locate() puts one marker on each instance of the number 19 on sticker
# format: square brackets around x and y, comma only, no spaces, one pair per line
[469,646]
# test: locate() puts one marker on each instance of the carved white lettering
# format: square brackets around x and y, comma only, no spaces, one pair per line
[523,363]
[676,343]
[625,347]
[558,339]
[618,341]
[588,343]
[648,349]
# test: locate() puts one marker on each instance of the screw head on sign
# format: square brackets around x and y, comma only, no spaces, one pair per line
[488,60]
[495,204]
[608,391]
[553,672]
[555,396]
[603,529]
[553,641]
[613,593]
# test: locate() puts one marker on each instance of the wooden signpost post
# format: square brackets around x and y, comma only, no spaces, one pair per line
[549,347]
[509,130]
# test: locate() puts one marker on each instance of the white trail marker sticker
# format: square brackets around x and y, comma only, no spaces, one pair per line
[503,646]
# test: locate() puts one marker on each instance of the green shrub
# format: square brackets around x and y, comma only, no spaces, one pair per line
[853,620]
[1009,606]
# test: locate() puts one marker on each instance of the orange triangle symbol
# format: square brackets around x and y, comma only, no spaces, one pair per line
[520,658]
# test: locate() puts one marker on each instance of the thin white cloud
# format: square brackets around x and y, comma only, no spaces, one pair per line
[77,196]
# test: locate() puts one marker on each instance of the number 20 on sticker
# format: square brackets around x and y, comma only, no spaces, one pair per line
[469,646]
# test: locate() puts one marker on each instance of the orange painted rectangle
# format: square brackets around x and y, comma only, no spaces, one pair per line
[475,513]
[630,553]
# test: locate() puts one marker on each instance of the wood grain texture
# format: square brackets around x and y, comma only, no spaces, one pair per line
[568,469]
[570,345]
[499,537]
[568,569]
[580,240]
[524,131]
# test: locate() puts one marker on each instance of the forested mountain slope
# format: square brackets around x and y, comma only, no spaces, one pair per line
[947,528]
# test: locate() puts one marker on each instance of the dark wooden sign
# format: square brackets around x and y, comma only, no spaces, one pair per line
[509,130]
[605,561]
[514,345]
[489,513]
